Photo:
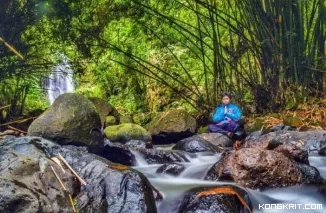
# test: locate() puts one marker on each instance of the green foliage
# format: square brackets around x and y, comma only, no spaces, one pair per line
[154,55]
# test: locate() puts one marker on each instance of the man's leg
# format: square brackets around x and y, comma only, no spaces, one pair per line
[217,129]
[231,128]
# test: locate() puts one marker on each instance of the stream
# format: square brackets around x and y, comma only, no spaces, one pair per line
[172,187]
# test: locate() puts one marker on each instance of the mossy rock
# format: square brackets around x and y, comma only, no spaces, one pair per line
[71,119]
[292,121]
[110,120]
[172,126]
[175,120]
[257,125]
[103,108]
[126,132]
[124,119]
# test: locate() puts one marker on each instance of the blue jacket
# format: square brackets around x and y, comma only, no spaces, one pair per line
[233,112]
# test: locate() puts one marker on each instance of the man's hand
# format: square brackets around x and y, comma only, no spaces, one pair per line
[228,119]
[221,123]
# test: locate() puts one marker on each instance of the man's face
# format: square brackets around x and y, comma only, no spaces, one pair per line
[226,100]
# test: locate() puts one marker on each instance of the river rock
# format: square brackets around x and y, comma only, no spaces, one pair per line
[71,119]
[259,168]
[157,156]
[195,144]
[27,184]
[218,202]
[115,152]
[125,132]
[171,126]
[217,139]
[171,168]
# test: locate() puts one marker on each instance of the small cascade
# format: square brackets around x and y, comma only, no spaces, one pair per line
[173,187]
[60,81]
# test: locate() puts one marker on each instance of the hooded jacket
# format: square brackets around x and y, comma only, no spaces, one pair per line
[232,111]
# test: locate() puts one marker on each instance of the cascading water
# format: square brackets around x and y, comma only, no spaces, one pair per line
[60,81]
[173,187]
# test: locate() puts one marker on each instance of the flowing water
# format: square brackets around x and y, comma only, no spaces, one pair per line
[173,187]
[60,81]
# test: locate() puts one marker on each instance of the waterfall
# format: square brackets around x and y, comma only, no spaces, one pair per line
[60,80]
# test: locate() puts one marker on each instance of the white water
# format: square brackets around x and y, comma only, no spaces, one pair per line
[173,187]
[60,81]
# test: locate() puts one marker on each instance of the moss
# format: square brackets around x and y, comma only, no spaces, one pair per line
[110,120]
[118,167]
[292,121]
[126,132]
[202,129]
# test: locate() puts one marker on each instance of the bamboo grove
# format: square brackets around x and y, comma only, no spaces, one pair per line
[266,52]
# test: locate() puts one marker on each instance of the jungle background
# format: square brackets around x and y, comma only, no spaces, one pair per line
[148,56]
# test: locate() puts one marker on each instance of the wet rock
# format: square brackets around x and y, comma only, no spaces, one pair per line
[157,194]
[136,144]
[171,126]
[115,152]
[217,139]
[195,144]
[156,156]
[125,132]
[172,169]
[257,168]
[218,202]
[70,120]
[31,187]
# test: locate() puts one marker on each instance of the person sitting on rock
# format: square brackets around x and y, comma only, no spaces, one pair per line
[226,117]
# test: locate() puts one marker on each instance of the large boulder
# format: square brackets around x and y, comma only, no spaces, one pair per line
[171,126]
[310,141]
[71,119]
[104,109]
[28,184]
[259,168]
[125,132]
[217,139]
[195,144]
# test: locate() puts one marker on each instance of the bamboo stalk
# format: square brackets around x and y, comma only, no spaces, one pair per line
[57,161]
[56,175]
[73,171]
[18,130]
[65,189]
[6,105]
[18,121]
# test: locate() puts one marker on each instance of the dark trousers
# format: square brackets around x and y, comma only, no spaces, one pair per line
[223,128]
